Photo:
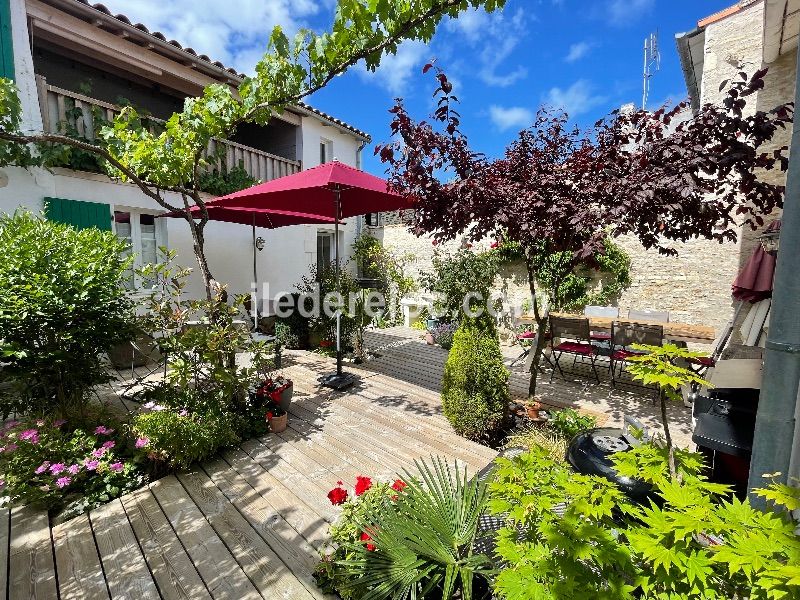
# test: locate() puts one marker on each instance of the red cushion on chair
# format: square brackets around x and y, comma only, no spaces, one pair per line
[526,335]
[703,361]
[575,348]
[624,354]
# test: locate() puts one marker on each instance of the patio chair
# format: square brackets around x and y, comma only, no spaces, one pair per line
[573,336]
[658,316]
[623,335]
[601,311]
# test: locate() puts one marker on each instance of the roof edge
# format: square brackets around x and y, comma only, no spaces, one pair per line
[688,65]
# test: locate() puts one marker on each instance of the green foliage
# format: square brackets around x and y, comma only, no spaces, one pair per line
[568,286]
[568,423]
[697,542]
[551,443]
[180,438]
[377,262]
[47,465]
[221,182]
[659,365]
[62,307]
[421,539]
[475,384]
[454,276]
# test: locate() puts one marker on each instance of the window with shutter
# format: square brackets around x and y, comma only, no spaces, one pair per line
[78,213]
[6,44]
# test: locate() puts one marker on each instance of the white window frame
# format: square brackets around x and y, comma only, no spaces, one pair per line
[326,149]
[136,238]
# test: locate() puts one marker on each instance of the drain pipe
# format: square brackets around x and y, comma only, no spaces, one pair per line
[776,435]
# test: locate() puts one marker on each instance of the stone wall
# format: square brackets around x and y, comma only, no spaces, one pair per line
[695,285]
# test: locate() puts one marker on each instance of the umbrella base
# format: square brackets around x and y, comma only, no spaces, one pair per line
[338,381]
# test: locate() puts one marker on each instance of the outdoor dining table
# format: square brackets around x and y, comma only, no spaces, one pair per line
[675,332]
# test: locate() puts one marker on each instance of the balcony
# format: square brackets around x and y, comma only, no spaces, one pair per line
[76,115]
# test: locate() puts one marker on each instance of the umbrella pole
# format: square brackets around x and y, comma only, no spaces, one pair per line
[338,380]
[254,308]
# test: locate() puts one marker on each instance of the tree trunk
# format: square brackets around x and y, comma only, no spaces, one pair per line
[198,246]
[667,435]
[541,328]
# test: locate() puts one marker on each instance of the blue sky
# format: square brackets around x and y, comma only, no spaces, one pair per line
[584,56]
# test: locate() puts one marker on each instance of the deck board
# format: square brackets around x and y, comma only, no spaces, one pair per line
[251,523]
[80,574]
[5,524]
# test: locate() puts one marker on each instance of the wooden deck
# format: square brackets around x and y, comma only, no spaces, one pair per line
[250,523]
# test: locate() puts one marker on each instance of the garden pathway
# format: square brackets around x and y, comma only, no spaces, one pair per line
[249,524]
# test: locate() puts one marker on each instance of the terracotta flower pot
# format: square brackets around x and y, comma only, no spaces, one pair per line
[533,409]
[278,424]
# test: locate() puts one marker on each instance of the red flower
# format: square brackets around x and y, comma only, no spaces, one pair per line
[362,484]
[325,343]
[337,496]
[365,538]
[435,242]
[399,485]
[495,245]
[269,416]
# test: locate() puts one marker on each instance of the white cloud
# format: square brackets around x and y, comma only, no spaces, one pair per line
[494,36]
[512,116]
[234,35]
[396,70]
[624,12]
[578,51]
[574,100]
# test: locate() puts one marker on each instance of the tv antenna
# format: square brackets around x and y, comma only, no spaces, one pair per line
[652,64]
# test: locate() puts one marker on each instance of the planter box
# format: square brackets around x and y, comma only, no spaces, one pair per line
[278,424]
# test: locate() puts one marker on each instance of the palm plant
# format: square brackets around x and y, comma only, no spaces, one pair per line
[421,542]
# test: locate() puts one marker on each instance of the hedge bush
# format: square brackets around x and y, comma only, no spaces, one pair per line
[475,394]
[62,307]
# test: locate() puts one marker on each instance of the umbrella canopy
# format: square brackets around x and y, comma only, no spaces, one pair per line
[754,281]
[269,219]
[314,192]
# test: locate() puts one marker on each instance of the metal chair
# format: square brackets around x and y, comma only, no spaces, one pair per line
[573,336]
[623,335]
[601,311]
[658,316]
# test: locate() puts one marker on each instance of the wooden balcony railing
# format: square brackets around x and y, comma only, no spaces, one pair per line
[70,113]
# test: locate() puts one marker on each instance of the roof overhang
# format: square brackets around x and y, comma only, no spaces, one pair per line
[691,50]
[781,27]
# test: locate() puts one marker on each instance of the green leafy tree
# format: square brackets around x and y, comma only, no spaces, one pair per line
[171,158]
[62,306]
[577,536]
[475,394]
[662,366]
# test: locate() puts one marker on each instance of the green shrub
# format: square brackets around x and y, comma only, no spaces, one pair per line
[475,385]
[411,540]
[577,536]
[456,275]
[61,308]
[180,438]
[552,443]
[49,466]
[568,423]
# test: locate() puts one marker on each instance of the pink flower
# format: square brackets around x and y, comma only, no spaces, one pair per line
[141,442]
[2,483]
[42,468]
[63,482]
[149,405]
[183,413]
[30,435]
[99,452]
[74,469]
[57,468]
[91,465]
[59,422]
[117,466]
[109,444]
[10,447]
[103,430]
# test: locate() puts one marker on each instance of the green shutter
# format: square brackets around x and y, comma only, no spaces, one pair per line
[6,43]
[78,213]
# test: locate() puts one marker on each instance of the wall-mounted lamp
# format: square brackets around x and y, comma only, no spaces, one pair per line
[770,241]
[260,243]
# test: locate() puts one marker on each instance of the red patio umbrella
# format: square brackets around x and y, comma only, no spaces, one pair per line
[332,190]
[754,281]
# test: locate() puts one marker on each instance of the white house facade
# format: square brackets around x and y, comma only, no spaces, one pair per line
[75,63]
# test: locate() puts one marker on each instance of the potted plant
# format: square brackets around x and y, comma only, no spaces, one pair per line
[279,389]
[277,418]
